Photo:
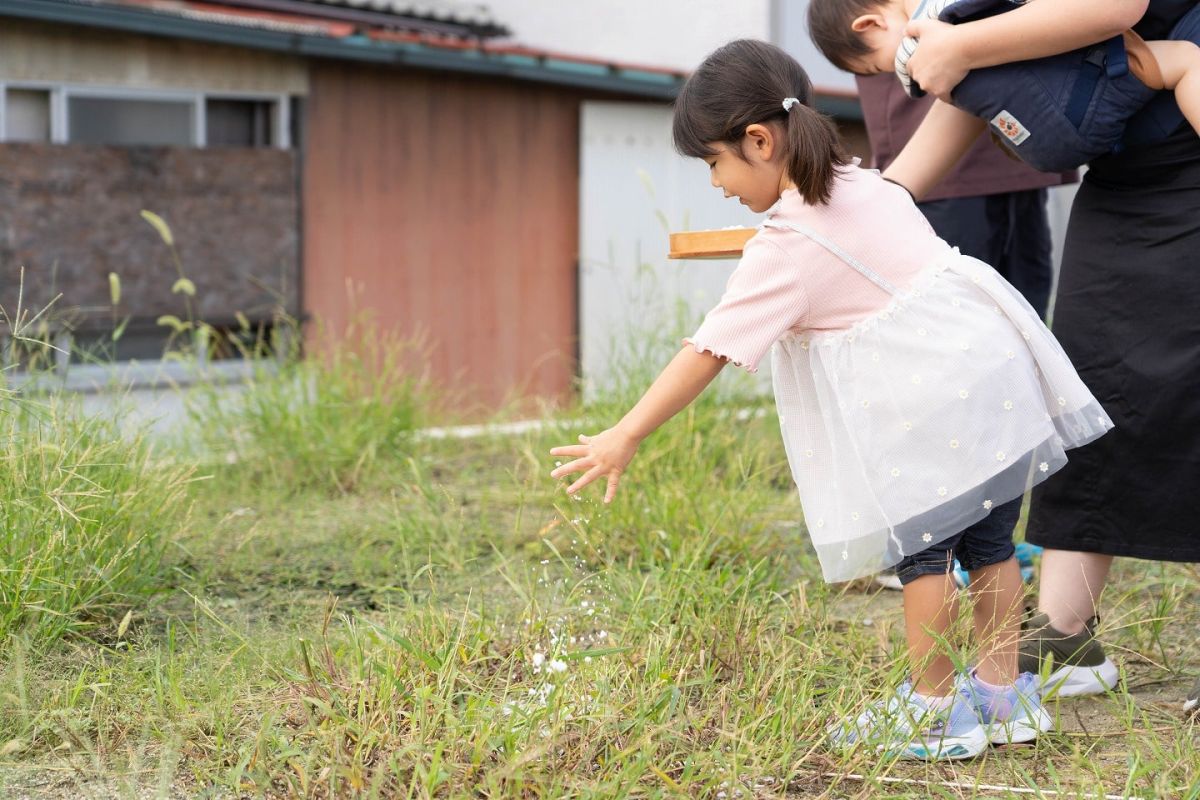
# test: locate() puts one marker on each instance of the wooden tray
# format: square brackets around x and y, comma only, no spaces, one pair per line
[726,243]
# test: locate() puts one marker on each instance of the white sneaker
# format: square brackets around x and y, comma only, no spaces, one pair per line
[905,727]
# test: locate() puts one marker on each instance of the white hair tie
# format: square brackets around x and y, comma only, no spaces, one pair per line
[788,102]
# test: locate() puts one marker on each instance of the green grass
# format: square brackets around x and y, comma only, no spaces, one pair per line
[85,515]
[437,619]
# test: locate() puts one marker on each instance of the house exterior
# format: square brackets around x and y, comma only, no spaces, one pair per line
[406,160]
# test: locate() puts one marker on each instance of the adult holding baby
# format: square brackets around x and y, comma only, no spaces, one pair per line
[1125,314]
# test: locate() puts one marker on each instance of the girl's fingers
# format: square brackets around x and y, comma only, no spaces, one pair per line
[589,476]
[584,439]
[613,479]
[578,465]
[572,450]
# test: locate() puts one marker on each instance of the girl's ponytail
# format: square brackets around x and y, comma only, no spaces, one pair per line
[746,82]
[814,152]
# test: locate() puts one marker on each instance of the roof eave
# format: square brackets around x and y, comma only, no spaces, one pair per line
[555,71]
[354,48]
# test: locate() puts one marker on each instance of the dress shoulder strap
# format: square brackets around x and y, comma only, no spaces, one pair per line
[857,265]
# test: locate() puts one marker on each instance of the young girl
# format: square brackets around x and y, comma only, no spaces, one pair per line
[917,391]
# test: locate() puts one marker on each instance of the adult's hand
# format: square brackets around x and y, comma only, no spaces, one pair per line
[939,64]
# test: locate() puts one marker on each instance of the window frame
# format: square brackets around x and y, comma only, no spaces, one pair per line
[61,93]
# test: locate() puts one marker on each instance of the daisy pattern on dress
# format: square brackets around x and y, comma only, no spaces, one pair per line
[926,537]
[1044,467]
[987,504]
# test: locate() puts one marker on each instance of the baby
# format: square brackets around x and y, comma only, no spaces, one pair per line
[1074,106]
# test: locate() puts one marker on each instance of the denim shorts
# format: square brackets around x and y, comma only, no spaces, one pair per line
[987,542]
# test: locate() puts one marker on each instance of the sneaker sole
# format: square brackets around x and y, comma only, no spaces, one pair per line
[1190,705]
[947,748]
[889,582]
[1072,681]
[1021,731]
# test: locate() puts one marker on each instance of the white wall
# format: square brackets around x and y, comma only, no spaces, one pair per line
[664,33]
[790,31]
[634,189]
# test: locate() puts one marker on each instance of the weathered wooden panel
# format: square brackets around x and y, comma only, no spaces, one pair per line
[40,51]
[448,206]
[70,214]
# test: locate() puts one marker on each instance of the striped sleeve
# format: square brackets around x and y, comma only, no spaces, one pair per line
[763,299]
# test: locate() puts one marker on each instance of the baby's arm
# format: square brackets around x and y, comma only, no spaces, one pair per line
[1179,63]
[943,137]
[609,452]
[948,52]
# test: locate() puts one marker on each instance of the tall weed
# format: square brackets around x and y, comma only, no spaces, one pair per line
[85,513]
[322,422]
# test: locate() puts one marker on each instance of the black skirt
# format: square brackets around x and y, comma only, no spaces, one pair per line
[1128,314]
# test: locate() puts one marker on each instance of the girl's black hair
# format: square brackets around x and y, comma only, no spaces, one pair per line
[743,83]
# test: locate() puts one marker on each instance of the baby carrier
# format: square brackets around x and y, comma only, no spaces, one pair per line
[1059,112]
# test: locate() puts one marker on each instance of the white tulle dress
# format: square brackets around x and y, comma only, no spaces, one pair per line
[914,421]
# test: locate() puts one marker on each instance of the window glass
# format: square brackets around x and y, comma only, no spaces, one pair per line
[239,123]
[27,115]
[104,120]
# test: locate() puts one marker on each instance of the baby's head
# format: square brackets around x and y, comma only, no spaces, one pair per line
[747,111]
[859,36]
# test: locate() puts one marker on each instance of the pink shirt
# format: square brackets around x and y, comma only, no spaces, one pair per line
[787,282]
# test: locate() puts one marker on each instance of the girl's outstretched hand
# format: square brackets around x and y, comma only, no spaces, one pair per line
[937,65]
[603,455]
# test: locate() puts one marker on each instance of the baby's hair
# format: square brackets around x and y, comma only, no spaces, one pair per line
[743,83]
[829,28]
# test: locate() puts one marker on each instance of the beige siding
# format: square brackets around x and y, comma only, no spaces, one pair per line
[46,52]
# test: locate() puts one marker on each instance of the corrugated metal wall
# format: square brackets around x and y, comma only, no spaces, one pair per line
[447,206]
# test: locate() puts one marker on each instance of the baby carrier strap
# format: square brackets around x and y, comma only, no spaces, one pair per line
[858,266]
[971,10]
[1108,58]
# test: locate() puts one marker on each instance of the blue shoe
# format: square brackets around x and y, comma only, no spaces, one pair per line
[905,727]
[1026,553]
[1012,715]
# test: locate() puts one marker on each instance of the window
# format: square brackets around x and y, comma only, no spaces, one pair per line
[123,121]
[238,123]
[64,114]
[27,115]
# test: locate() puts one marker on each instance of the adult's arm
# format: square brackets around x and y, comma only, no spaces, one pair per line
[941,140]
[948,52]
